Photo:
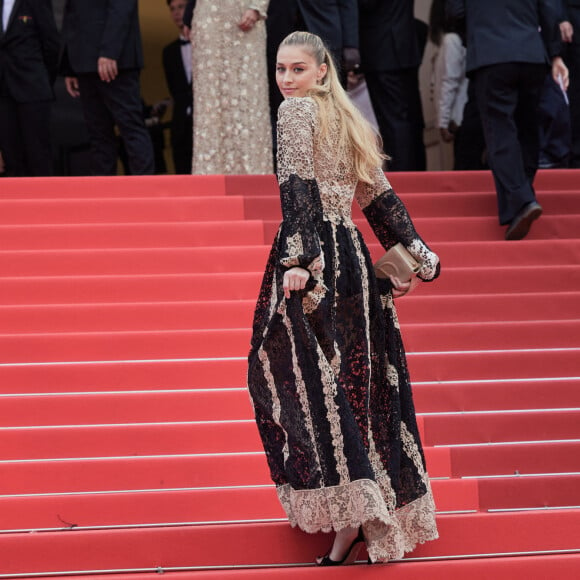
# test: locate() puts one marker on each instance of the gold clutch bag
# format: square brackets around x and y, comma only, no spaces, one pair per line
[397,262]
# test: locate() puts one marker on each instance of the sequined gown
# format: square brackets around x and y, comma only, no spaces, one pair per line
[327,372]
[232,133]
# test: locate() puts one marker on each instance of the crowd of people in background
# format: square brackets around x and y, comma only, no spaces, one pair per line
[220,76]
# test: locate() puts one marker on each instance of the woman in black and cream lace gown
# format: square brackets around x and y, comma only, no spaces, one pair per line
[232,133]
[327,372]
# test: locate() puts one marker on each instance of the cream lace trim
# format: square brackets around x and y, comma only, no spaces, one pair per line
[388,534]
[430,260]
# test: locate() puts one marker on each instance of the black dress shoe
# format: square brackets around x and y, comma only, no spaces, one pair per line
[349,557]
[520,225]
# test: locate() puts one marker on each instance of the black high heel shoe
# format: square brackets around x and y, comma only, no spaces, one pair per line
[350,555]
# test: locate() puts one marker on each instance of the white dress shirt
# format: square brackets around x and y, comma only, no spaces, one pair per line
[8,5]
[186,58]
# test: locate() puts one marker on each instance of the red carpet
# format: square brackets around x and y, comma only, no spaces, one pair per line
[126,438]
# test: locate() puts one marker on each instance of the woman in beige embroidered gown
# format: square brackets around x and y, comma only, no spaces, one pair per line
[327,371]
[232,133]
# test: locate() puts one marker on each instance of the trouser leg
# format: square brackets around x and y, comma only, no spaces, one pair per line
[34,123]
[573,63]
[497,90]
[123,99]
[100,126]
[396,102]
[10,144]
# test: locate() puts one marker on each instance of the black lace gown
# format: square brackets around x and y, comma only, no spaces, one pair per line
[327,371]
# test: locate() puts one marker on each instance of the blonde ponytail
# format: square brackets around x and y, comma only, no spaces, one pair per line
[356,134]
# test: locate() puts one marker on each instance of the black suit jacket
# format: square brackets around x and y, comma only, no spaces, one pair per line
[388,35]
[100,28]
[29,50]
[179,87]
[335,21]
[500,32]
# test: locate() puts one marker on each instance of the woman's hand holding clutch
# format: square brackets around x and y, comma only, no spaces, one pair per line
[402,288]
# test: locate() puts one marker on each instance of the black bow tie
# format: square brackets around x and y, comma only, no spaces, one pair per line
[182,41]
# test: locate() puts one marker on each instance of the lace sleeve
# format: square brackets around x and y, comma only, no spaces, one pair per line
[301,205]
[391,222]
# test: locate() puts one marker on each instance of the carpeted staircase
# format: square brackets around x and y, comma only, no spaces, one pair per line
[127,444]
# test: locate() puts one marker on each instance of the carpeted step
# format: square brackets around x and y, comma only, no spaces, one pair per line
[241,436]
[234,404]
[93,475]
[125,407]
[175,237]
[85,475]
[489,307]
[131,440]
[252,258]
[132,316]
[75,289]
[99,237]
[138,375]
[187,185]
[122,210]
[139,208]
[469,229]
[268,544]
[215,314]
[480,368]
[497,395]
[499,568]
[73,187]
[74,476]
[189,506]
[421,182]
[180,344]
[489,366]
[529,492]
[434,204]
[515,458]
[501,426]
[95,289]
[187,233]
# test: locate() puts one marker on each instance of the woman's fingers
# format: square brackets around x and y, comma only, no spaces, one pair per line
[248,20]
[294,279]
[402,288]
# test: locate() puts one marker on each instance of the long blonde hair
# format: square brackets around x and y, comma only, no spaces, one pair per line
[356,134]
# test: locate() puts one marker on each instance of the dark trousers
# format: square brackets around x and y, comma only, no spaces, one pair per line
[25,138]
[117,103]
[397,104]
[572,59]
[182,144]
[554,126]
[507,96]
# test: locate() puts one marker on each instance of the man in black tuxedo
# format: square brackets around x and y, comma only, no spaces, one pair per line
[335,21]
[570,30]
[507,60]
[29,47]
[101,59]
[177,67]
[391,53]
